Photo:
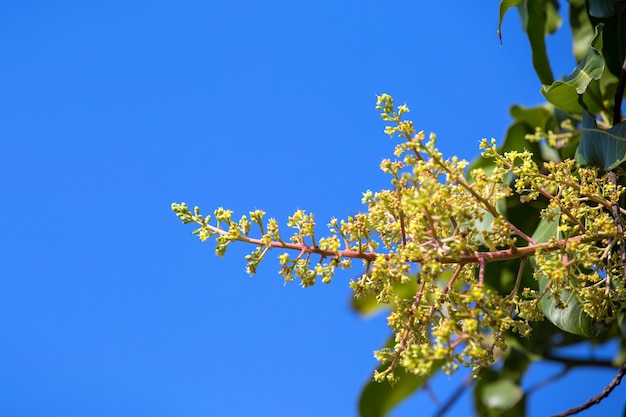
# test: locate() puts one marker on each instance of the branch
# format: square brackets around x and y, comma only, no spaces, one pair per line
[572,362]
[596,400]
[455,396]
[476,257]
[562,373]
[488,206]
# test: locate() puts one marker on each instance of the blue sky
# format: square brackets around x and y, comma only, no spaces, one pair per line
[111,111]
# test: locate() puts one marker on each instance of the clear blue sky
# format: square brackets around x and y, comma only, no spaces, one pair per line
[110,111]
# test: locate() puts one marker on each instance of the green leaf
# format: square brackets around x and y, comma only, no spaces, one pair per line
[533,116]
[602,8]
[516,363]
[565,93]
[496,395]
[610,13]
[572,318]
[501,395]
[621,320]
[504,6]
[368,304]
[553,20]
[539,18]
[379,398]
[526,120]
[582,29]
[546,229]
[536,29]
[604,149]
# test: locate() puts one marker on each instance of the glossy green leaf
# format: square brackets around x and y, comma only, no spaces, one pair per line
[572,318]
[604,149]
[621,320]
[565,93]
[379,398]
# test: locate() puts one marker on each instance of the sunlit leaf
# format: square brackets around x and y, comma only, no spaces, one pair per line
[538,116]
[504,6]
[565,93]
[539,18]
[368,305]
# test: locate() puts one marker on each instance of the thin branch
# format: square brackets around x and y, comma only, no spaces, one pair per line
[523,252]
[481,272]
[573,362]
[596,400]
[405,336]
[541,384]
[488,206]
[475,257]
[564,209]
[619,223]
[456,395]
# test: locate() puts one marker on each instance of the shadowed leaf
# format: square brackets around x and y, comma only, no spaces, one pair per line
[572,318]
[582,29]
[536,29]
[379,398]
[611,14]
[605,149]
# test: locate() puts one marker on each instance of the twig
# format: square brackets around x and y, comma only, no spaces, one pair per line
[405,336]
[467,382]
[596,400]
[475,257]
[575,362]
[619,223]
[549,380]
